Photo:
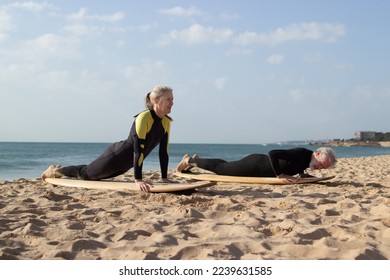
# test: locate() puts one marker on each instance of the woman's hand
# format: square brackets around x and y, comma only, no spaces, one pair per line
[143,186]
[288,178]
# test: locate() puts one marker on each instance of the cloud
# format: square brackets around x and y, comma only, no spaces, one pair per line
[297,95]
[83,24]
[239,51]
[275,59]
[341,66]
[220,83]
[148,67]
[5,25]
[6,20]
[229,16]
[314,31]
[13,73]
[80,29]
[48,46]
[140,77]
[197,34]
[30,5]
[313,57]
[181,12]
[143,27]
[82,15]
[120,43]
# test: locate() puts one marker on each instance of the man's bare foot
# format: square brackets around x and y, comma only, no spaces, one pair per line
[183,163]
[51,172]
[190,166]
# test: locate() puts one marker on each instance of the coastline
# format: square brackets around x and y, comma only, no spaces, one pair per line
[351,143]
[345,218]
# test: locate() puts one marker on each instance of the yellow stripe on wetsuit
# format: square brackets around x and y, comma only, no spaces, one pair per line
[143,125]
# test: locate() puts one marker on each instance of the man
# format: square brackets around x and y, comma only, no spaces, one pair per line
[283,164]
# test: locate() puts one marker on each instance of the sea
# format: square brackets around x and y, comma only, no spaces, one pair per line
[29,159]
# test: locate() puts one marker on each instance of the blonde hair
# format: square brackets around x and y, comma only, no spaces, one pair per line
[157,92]
[328,155]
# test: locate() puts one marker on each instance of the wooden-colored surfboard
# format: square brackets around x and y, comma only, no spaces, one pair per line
[248,180]
[121,185]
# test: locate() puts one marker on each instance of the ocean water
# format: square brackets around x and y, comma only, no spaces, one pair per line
[29,160]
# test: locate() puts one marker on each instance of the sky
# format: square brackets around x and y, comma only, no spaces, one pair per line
[242,72]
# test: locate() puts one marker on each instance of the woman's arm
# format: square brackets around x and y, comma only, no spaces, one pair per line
[164,156]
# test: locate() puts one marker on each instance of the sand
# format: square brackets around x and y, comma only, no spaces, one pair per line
[346,218]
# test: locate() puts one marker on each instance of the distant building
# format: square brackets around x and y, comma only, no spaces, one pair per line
[367,135]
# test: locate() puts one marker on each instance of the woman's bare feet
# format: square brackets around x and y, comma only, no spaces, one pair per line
[51,172]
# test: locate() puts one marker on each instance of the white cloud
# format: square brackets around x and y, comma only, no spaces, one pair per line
[82,15]
[77,29]
[229,16]
[13,73]
[313,57]
[142,76]
[143,27]
[239,51]
[314,31]
[341,66]
[29,5]
[81,29]
[275,59]
[297,95]
[49,45]
[54,80]
[148,67]
[5,25]
[220,83]
[197,34]
[120,43]
[179,11]
[363,92]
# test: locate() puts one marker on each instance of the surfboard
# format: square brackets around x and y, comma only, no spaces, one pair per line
[248,180]
[122,185]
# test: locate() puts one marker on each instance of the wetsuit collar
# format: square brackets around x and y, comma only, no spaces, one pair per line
[154,115]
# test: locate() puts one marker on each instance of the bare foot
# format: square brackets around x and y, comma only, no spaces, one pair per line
[183,163]
[189,167]
[51,172]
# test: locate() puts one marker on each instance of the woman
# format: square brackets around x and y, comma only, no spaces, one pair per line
[150,128]
[278,163]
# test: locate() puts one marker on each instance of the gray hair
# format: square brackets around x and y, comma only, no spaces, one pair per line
[157,92]
[328,154]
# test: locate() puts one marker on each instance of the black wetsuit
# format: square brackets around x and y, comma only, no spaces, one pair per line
[147,131]
[288,162]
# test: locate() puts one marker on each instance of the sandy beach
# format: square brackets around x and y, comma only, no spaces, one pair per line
[346,218]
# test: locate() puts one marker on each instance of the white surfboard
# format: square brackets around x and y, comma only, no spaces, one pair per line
[122,185]
[247,180]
